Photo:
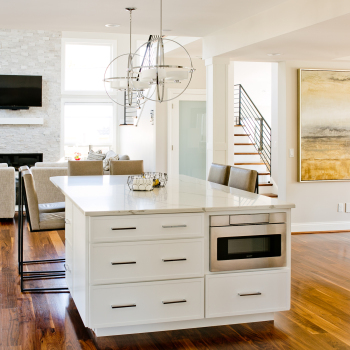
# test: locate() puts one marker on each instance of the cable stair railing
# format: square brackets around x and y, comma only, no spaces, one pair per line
[248,116]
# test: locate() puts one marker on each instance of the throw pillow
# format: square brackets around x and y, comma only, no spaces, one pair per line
[109,154]
[107,167]
[98,155]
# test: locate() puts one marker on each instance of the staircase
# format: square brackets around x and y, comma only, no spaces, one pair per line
[252,141]
[133,104]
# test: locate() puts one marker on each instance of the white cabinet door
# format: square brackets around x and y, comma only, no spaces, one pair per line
[247,293]
[69,266]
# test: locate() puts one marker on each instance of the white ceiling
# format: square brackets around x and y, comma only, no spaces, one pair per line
[194,49]
[326,41]
[183,17]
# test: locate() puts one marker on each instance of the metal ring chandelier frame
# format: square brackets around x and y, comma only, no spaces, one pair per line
[129,88]
[160,82]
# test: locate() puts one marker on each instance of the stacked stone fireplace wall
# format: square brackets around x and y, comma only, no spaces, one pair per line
[36,52]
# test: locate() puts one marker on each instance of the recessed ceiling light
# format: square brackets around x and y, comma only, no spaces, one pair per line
[112,25]
[274,54]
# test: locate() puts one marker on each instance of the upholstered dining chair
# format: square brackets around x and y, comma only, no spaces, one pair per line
[219,174]
[244,179]
[85,167]
[126,167]
[44,219]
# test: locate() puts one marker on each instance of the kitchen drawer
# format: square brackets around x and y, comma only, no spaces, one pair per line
[247,293]
[146,261]
[142,303]
[247,219]
[145,227]
[68,265]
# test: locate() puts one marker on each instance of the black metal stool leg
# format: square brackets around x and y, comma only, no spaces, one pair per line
[31,275]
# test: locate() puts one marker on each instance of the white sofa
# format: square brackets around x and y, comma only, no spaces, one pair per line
[7,191]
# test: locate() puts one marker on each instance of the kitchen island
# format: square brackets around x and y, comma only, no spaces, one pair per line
[145,261]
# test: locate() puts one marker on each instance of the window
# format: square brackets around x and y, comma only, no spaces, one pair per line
[89,116]
[87,124]
[85,66]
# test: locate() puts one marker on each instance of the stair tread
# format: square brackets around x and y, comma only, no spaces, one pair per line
[265,184]
[241,134]
[249,164]
[244,144]
[239,125]
[246,153]
[271,195]
[264,174]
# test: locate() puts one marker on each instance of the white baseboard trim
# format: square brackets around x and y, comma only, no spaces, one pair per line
[321,226]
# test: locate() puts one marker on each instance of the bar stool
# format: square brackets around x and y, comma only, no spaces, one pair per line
[85,167]
[38,221]
[219,174]
[244,179]
[126,167]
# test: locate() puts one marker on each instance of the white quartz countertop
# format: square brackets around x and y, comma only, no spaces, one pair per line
[110,195]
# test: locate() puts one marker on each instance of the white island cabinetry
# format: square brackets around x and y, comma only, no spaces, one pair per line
[136,268]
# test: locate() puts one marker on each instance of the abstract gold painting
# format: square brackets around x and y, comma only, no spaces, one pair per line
[324,125]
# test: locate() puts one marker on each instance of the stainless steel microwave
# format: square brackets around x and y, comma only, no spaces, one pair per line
[248,241]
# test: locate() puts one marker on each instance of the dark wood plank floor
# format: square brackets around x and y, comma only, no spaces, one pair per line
[319,317]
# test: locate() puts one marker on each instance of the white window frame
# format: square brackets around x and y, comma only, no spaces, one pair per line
[81,41]
[87,96]
[89,100]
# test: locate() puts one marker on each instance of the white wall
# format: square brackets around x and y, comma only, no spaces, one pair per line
[255,77]
[198,82]
[316,202]
[33,52]
[140,142]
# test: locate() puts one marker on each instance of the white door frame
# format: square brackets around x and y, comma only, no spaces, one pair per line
[173,123]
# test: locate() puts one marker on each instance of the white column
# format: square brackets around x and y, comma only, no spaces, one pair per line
[217,110]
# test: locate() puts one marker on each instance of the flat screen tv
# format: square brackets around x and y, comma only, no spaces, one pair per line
[20,91]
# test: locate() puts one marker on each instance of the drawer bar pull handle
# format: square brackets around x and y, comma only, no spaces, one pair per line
[123,262]
[174,301]
[248,294]
[122,306]
[173,226]
[122,228]
[169,260]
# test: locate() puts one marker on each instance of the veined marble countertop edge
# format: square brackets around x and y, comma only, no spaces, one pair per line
[183,194]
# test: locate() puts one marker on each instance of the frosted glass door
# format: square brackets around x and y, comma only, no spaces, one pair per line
[192,139]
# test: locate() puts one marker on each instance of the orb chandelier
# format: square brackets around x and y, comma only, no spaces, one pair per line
[130,84]
[156,73]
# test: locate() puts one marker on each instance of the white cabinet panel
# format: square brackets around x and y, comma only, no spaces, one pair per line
[69,220]
[145,227]
[146,261]
[69,266]
[142,303]
[247,293]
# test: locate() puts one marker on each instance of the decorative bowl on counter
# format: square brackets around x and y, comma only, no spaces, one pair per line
[147,181]
[159,179]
